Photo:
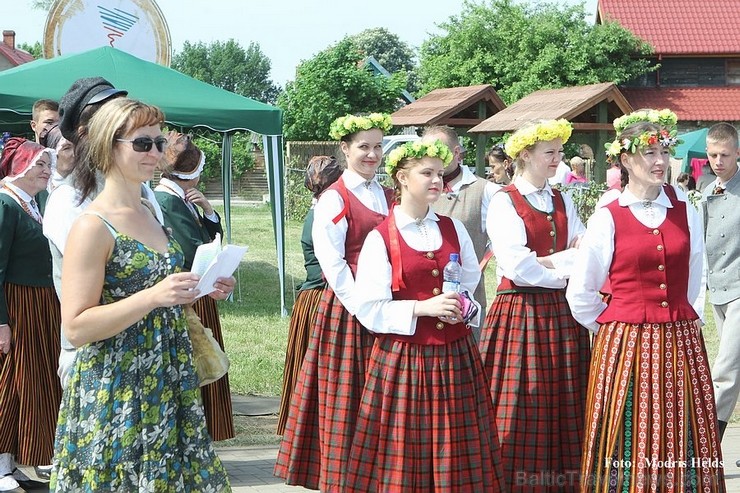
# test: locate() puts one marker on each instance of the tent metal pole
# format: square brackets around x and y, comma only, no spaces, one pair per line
[226,181]
[272,145]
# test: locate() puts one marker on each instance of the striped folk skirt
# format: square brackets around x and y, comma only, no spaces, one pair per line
[217,395]
[323,409]
[425,422]
[30,392]
[651,422]
[536,357]
[299,332]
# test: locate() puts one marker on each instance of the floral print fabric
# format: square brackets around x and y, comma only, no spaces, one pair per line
[131,417]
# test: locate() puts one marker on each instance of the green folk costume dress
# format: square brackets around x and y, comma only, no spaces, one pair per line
[131,418]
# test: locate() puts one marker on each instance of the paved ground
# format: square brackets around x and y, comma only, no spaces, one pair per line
[250,468]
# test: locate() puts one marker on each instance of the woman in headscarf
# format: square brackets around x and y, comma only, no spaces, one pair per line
[190,216]
[30,392]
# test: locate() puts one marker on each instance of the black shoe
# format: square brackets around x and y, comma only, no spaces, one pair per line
[43,472]
[27,483]
[722,426]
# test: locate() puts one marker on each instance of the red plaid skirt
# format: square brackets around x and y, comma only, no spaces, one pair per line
[537,356]
[323,409]
[652,422]
[426,422]
[299,333]
[216,396]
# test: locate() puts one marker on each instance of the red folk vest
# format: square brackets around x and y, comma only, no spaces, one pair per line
[547,232]
[360,221]
[422,276]
[649,274]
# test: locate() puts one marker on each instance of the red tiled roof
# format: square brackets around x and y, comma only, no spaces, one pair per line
[679,27]
[15,57]
[690,103]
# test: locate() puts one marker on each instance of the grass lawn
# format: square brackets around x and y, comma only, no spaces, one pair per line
[255,333]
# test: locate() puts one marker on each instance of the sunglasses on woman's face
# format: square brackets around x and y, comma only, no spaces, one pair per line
[144,144]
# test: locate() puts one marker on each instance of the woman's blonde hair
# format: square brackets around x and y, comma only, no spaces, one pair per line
[114,120]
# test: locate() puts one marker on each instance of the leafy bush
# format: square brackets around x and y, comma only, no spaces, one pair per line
[585,197]
[297,196]
[242,157]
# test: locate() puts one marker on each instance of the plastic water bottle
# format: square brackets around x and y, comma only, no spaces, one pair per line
[451,274]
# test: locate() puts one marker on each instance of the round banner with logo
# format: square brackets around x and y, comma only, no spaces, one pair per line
[134,26]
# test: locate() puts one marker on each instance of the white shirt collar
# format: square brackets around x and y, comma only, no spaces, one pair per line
[627,198]
[525,188]
[170,186]
[353,180]
[23,195]
[403,219]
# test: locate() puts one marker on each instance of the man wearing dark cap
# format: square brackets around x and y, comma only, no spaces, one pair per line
[81,102]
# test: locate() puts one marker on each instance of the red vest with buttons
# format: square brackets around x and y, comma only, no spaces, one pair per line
[422,276]
[649,274]
[360,221]
[547,232]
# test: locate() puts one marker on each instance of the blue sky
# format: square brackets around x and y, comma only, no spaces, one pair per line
[287,31]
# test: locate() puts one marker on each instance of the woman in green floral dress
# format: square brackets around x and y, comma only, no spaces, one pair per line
[131,418]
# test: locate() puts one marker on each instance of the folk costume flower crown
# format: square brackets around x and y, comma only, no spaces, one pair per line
[666,136]
[417,150]
[543,131]
[349,124]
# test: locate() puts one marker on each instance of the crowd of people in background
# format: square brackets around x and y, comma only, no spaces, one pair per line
[587,371]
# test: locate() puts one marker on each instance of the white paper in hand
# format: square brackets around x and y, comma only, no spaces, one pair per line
[205,254]
[218,262]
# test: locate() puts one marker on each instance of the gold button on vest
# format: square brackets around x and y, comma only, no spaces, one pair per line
[430,254]
[436,291]
[435,272]
[440,325]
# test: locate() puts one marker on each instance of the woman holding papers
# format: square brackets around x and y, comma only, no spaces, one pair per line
[181,203]
[131,418]
[323,409]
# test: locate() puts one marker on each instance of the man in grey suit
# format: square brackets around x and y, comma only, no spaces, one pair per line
[721,214]
[464,197]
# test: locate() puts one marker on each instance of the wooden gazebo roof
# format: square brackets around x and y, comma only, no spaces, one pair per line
[581,105]
[460,107]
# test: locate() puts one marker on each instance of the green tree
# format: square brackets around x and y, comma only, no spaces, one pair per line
[393,54]
[520,48]
[331,84]
[41,4]
[230,66]
[387,48]
[36,50]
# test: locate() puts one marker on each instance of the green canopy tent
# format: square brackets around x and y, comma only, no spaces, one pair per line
[694,146]
[187,102]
